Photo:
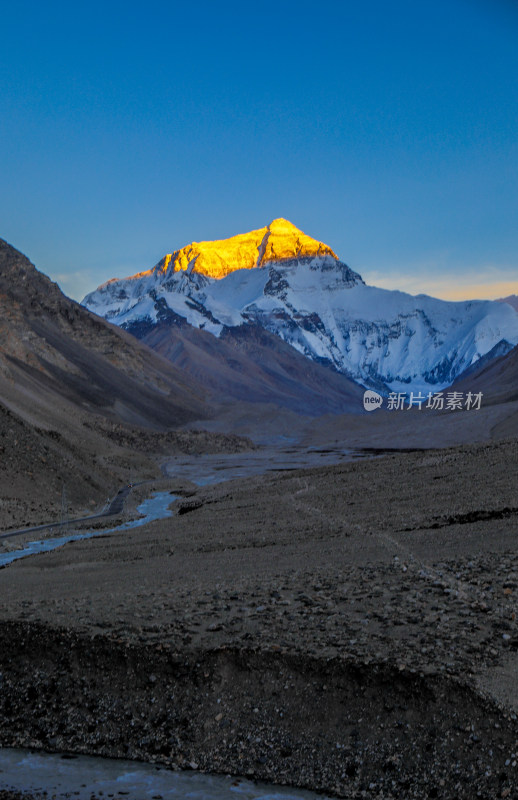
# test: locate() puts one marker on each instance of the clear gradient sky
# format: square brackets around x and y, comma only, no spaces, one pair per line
[389,130]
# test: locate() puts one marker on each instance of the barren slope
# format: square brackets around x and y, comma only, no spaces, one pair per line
[250,364]
[77,399]
[60,346]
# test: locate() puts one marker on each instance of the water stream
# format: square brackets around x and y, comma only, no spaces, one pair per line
[82,777]
[155,507]
[216,468]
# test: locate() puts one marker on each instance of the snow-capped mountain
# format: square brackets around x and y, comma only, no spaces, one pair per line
[511,300]
[296,287]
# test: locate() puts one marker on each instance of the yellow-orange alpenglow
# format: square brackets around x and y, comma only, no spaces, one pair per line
[278,241]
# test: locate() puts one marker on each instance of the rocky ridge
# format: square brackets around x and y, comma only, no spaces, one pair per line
[279,241]
[282,281]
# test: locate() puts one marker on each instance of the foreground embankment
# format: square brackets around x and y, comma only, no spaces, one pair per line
[352,629]
[344,727]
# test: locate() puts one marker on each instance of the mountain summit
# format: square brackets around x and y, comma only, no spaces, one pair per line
[278,241]
[281,281]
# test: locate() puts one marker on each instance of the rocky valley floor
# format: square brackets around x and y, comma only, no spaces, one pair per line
[348,628]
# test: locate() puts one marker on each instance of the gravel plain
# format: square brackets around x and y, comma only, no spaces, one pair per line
[347,628]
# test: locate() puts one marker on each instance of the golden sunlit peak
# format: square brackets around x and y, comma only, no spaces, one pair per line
[160,267]
[278,241]
[165,262]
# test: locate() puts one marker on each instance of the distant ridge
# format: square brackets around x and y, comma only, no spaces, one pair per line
[511,300]
[293,286]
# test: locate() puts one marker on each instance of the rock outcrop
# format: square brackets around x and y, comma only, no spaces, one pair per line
[278,241]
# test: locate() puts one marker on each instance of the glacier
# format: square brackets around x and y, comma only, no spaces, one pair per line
[383,339]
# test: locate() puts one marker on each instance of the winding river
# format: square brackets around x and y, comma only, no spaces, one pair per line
[61,775]
[155,507]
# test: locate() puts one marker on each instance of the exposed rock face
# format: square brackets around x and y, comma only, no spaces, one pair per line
[278,241]
[248,363]
[497,379]
[68,379]
[295,287]
[54,340]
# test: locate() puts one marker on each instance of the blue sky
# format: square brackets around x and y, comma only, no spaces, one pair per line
[387,130]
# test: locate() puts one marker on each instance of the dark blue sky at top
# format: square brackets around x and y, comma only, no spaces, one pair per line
[387,130]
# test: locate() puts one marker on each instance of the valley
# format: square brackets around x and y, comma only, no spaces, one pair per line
[362,613]
[259,401]
[290,589]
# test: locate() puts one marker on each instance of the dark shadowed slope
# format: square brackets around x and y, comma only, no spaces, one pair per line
[65,375]
[498,381]
[499,350]
[249,364]
[51,345]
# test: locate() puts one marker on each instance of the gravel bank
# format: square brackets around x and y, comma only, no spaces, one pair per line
[355,729]
[350,629]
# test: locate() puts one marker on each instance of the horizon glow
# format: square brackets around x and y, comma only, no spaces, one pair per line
[386,131]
